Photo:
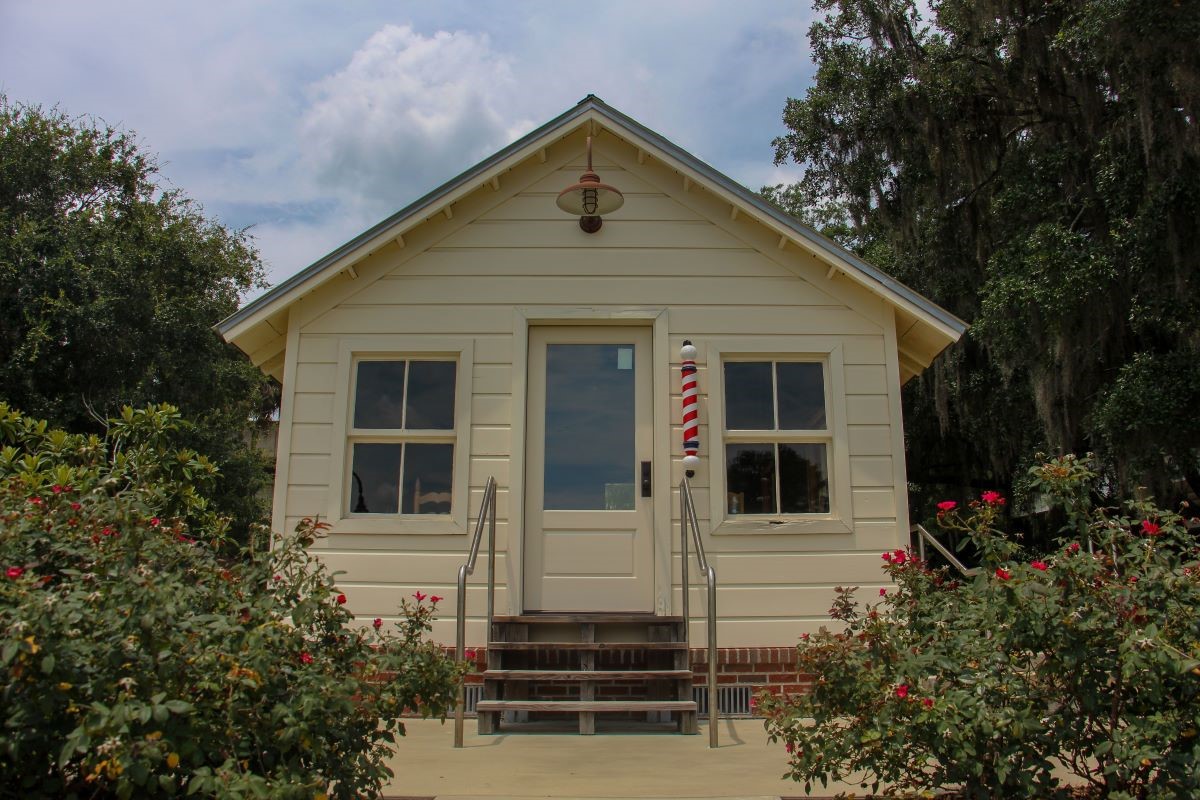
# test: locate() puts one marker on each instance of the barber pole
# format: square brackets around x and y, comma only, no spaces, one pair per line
[691,409]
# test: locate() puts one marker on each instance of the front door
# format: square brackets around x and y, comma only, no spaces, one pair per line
[588,513]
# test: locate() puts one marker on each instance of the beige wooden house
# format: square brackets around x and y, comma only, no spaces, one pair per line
[481,332]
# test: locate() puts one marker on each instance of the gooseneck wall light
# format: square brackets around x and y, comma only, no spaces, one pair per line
[590,199]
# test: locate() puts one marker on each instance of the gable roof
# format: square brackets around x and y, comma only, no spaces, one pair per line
[923,328]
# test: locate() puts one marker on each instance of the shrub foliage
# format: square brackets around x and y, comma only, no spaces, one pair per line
[136,661]
[1085,659]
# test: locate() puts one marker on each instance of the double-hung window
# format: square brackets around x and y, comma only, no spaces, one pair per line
[777,438]
[402,436]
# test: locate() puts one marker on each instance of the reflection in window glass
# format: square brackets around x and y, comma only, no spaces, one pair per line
[750,478]
[801,388]
[428,474]
[803,485]
[375,478]
[430,402]
[748,396]
[379,395]
[589,460]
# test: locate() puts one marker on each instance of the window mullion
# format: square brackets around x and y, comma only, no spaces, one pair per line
[404,396]
[778,482]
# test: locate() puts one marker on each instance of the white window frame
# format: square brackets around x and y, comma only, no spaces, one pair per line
[835,436]
[345,435]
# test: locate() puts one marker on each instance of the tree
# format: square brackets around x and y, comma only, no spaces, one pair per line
[109,288]
[1034,168]
[137,661]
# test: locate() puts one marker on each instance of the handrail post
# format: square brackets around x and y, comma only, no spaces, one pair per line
[460,704]
[486,511]
[687,519]
[683,578]
[491,600]
[712,657]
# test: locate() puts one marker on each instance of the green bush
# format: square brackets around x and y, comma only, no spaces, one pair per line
[1084,661]
[137,661]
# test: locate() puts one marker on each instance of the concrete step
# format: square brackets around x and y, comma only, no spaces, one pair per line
[587,646]
[574,706]
[603,618]
[584,674]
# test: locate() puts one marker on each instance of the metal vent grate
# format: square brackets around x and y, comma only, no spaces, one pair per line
[732,701]
[474,695]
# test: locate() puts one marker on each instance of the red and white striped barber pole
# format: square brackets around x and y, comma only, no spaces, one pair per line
[691,409]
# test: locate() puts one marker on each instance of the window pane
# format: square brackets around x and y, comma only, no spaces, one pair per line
[801,388]
[750,478]
[803,479]
[589,427]
[430,395]
[428,472]
[379,394]
[748,401]
[375,479]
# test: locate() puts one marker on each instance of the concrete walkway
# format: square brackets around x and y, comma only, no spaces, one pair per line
[607,765]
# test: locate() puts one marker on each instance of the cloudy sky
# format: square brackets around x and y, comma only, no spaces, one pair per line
[308,122]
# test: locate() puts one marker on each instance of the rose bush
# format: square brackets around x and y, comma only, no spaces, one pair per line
[136,660]
[1084,660]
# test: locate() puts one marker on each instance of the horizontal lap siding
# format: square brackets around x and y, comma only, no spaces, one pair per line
[656,252]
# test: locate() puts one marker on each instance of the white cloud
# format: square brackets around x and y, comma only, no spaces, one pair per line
[407,113]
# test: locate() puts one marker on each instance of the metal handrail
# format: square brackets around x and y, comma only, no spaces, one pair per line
[925,536]
[687,517]
[487,511]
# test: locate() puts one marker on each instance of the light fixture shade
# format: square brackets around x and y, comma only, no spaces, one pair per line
[590,197]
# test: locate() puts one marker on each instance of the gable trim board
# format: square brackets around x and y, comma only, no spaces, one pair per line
[260,327]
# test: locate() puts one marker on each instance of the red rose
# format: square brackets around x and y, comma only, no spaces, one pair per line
[75,506]
[56,488]
[341,598]
[902,691]
[887,557]
[435,599]
[305,658]
[377,624]
[1149,528]
[469,655]
[15,572]
[899,557]
[419,596]
[946,505]
[883,592]
[1003,574]
[1038,565]
[927,702]
[992,498]
[37,501]
[155,521]
[1073,547]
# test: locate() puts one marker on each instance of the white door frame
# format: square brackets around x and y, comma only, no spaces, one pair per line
[661,469]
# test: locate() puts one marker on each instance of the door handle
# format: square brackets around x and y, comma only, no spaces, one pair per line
[645,479]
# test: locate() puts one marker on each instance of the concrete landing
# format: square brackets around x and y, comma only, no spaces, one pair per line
[607,765]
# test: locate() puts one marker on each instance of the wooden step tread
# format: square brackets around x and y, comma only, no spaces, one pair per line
[551,617]
[588,646]
[585,705]
[584,675]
